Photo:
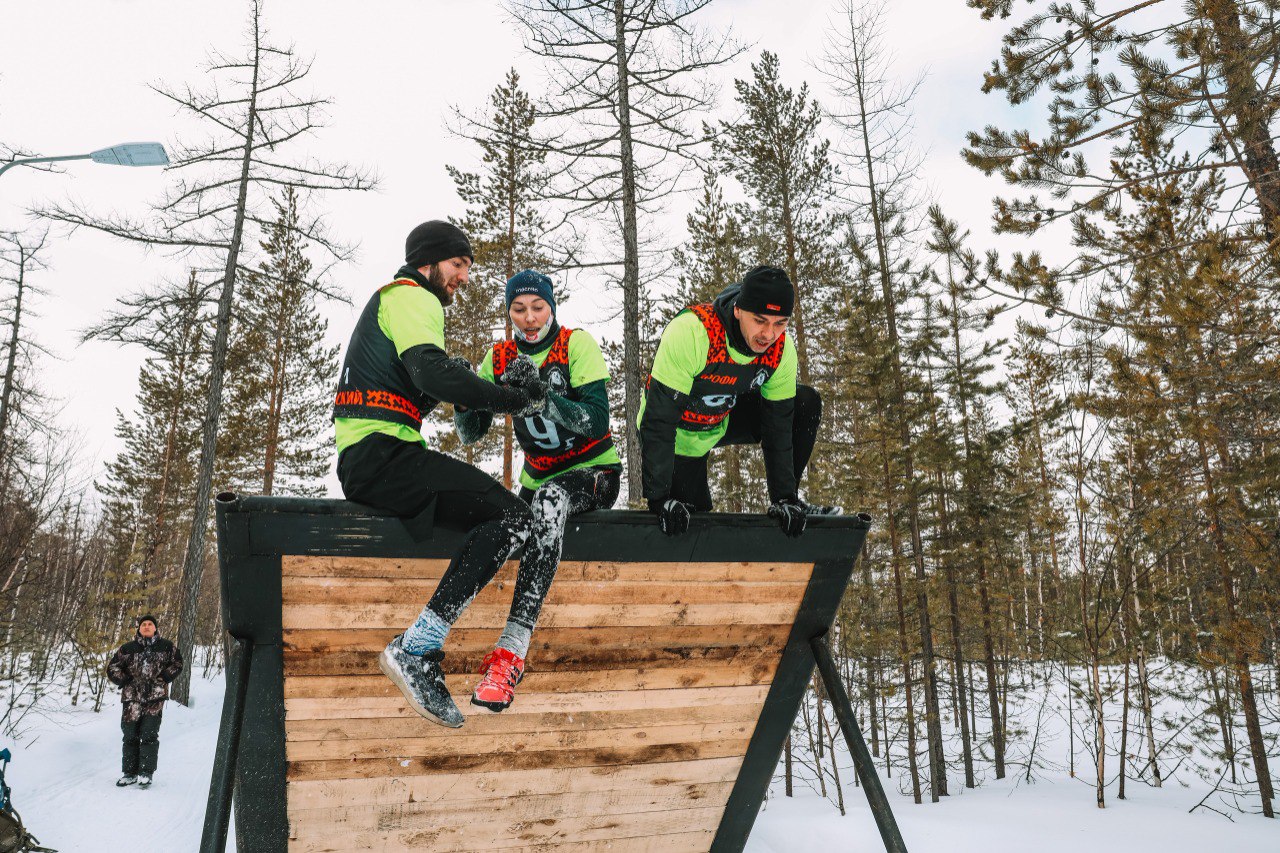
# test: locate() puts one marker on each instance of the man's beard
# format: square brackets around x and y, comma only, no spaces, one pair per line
[435,282]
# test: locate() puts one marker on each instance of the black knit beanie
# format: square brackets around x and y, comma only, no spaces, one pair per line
[766,290]
[435,241]
[149,618]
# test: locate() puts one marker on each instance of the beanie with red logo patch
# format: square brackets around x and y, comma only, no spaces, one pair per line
[766,290]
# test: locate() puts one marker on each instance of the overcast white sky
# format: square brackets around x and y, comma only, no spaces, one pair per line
[73,77]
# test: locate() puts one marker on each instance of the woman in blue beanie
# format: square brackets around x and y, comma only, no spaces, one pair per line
[570,464]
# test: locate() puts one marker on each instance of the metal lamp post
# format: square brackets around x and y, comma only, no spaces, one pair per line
[126,154]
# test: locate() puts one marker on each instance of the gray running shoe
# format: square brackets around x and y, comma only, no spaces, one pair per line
[421,680]
[144,780]
[126,780]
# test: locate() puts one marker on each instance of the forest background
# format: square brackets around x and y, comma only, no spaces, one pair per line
[1066,427]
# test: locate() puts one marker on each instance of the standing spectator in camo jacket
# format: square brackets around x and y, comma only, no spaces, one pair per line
[143,669]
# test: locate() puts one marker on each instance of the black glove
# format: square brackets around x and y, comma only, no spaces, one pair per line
[520,372]
[535,397]
[673,515]
[523,400]
[790,515]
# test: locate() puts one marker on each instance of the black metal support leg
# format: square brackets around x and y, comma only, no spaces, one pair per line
[885,821]
[217,814]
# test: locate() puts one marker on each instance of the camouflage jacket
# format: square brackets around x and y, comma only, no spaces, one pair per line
[142,669]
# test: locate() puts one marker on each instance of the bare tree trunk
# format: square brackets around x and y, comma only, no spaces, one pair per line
[10,364]
[1140,647]
[789,240]
[904,652]
[933,721]
[630,262]
[1222,710]
[957,646]
[1124,722]
[989,663]
[193,564]
[1233,632]
[509,269]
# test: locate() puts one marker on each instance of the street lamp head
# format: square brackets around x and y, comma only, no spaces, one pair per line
[132,154]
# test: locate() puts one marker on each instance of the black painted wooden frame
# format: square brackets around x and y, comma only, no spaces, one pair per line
[255,532]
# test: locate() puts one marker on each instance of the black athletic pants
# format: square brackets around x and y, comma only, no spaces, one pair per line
[689,477]
[569,494]
[141,745]
[425,487]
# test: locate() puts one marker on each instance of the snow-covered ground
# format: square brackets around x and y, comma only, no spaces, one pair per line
[1053,815]
[65,767]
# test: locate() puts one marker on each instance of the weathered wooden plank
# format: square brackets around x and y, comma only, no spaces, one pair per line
[630,700]
[400,616]
[550,741]
[339,590]
[498,834]
[505,785]
[676,842]
[547,640]
[513,721]
[355,823]
[570,570]
[293,565]
[751,666]
[464,763]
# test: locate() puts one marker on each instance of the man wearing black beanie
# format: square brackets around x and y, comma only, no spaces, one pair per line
[725,373]
[143,669]
[395,372]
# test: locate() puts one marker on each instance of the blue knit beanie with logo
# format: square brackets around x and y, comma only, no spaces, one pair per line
[530,281]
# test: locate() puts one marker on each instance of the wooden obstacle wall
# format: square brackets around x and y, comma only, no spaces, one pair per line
[658,695]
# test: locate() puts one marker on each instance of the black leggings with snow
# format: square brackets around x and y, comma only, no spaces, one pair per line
[426,487]
[573,492]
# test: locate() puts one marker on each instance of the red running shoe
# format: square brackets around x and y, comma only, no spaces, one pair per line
[500,672]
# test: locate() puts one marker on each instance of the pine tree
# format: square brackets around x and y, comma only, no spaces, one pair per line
[968,352]
[510,230]
[775,150]
[277,430]
[1209,65]
[1203,337]
[149,486]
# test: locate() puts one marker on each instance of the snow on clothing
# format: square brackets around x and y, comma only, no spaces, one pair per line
[573,432]
[396,371]
[571,465]
[702,373]
[572,493]
[142,669]
[410,480]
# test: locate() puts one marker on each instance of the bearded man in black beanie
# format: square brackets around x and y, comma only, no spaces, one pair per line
[396,370]
[725,373]
[143,669]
